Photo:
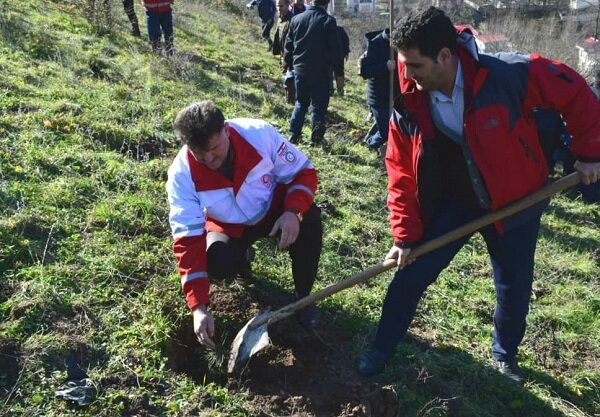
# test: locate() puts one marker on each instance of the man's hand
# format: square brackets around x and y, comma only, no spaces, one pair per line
[401,256]
[391,65]
[590,171]
[289,225]
[204,326]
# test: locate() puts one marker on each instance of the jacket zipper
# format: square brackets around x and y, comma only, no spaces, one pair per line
[528,151]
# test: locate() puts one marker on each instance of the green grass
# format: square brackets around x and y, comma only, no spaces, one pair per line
[85,255]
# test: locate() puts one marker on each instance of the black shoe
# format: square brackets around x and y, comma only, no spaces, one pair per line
[309,317]
[316,138]
[510,369]
[371,362]
[294,139]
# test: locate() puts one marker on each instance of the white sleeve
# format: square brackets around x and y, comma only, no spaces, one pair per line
[186,215]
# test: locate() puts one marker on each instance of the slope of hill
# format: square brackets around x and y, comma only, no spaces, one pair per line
[87,270]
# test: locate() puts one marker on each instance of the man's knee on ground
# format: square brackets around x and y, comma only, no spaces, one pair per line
[222,263]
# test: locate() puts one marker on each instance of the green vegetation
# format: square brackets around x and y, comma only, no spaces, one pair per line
[85,256]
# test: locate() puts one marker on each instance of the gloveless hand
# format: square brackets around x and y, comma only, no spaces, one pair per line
[289,225]
[204,326]
[401,256]
[590,171]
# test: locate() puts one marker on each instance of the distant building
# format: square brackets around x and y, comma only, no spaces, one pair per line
[361,6]
[490,42]
[588,56]
[582,4]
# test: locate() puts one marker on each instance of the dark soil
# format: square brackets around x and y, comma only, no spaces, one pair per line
[301,373]
[9,366]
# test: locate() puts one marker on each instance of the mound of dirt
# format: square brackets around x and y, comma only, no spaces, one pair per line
[302,373]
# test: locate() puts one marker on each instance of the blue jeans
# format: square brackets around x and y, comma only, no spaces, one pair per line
[382,118]
[315,91]
[512,259]
[155,21]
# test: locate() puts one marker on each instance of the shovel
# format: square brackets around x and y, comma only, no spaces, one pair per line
[254,335]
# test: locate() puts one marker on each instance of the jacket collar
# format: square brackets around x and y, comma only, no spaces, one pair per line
[245,158]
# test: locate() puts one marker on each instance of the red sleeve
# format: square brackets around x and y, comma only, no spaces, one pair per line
[405,215]
[191,262]
[563,89]
[301,191]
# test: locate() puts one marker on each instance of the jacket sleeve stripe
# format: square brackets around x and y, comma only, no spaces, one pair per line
[193,276]
[180,231]
[301,187]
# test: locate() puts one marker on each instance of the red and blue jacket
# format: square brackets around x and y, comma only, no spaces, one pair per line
[502,94]
[157,5]
[270,175]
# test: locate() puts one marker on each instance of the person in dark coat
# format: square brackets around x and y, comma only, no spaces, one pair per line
[375,67]
[266,11]
[312,49]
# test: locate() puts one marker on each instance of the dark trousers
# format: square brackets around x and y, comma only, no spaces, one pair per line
[382,118]
[130,11]
[315,91]
[512,259]
[160,23]
[266,28]
[227,256]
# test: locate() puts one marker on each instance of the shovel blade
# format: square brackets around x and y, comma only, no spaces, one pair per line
[247,342]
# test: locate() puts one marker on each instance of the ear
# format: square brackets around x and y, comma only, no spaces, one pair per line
[444,55]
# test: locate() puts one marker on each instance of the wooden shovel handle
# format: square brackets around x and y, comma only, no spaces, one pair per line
[471,227]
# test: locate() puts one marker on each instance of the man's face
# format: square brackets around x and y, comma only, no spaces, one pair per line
[282,7]
[427,73]
[214,154]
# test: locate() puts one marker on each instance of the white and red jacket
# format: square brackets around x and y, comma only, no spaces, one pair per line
[157,5]
[269,173]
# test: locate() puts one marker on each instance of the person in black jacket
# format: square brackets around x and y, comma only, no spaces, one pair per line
[266,12]
[312,49]
[375,67]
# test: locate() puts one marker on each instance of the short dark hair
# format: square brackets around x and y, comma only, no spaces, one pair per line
[429,30]
[320,2]
[196,123]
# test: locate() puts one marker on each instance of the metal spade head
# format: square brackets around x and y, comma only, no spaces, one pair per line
[248,341]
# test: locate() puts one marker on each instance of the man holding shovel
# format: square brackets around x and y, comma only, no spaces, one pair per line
[232,182]
[463,142]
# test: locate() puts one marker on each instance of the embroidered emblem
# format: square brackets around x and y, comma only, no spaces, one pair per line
[492,123]
[286,154]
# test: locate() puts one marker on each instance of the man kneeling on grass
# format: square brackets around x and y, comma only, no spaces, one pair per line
[232,182]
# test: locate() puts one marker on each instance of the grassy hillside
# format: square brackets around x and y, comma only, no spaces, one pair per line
[87,270]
